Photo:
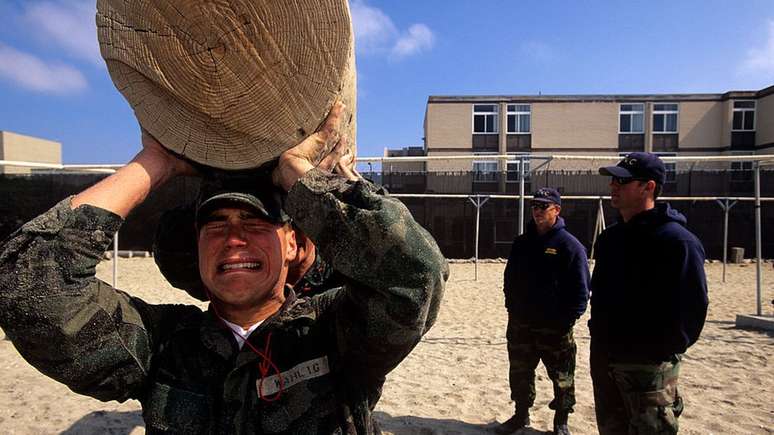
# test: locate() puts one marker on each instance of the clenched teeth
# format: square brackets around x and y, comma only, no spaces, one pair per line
[232,266]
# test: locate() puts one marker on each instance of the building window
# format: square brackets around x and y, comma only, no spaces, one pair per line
[512,170]
[485,118]
[630,118]
[665,118]
[519,118]
[744,116]
[484,170]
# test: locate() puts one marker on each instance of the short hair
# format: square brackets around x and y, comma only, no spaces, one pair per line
[656,190]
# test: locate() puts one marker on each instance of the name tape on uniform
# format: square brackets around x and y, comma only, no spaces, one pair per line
[304,371]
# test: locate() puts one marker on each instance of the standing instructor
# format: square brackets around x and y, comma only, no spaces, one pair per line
[546,291]
[648,303]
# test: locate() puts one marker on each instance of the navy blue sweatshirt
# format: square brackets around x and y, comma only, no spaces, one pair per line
[547,278]
[649,292]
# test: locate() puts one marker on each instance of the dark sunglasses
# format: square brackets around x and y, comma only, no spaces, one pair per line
[540,205]
[625,180]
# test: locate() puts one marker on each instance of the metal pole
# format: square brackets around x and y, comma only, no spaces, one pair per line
[726,206]
[477,203]
[521,196]
[725,238]
[475,247]
[602,225]
[115,260]
[478,220]
[758,247]
[599,226]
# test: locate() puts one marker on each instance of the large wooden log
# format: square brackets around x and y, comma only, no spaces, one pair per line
[230,83]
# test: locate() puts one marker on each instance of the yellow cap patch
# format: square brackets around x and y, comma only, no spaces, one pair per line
[551,251]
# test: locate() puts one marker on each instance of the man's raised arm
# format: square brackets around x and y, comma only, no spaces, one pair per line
[395,271]
[121,192]
[69,325]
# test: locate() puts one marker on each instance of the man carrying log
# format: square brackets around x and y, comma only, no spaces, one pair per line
[260,360]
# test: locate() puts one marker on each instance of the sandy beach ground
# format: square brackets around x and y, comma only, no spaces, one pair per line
[455,381]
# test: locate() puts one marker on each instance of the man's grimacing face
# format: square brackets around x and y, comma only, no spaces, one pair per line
[243,259]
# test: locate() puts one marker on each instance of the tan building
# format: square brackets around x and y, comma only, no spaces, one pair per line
[397,166]
[405,175]
[18,147]
[736,122]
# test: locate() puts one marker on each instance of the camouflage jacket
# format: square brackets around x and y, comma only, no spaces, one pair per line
[319,278]
[315,361]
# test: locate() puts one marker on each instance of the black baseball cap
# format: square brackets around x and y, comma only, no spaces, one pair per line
[639,165]
[547,194]
[260,195]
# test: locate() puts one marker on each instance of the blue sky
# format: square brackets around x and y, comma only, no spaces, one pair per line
[54,85]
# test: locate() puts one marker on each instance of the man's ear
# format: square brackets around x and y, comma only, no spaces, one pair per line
[650,186]
[291,247]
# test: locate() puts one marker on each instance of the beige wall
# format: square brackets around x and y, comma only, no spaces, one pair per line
[437,185]
[591,127]
[727,108]
[403,166]
[449,125]
[575,165]
[448,165]
[574,125]
[764,123]
[766,150]
[15,146]
[701,124]
[647,126]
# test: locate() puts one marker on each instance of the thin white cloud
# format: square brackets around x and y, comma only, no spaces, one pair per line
[69,24]
[760,60]
[538,51]
[373,28]
[376,33]
[30,72]
[418,38]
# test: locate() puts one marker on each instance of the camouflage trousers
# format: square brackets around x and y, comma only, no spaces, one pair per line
[529,345]
[636,399]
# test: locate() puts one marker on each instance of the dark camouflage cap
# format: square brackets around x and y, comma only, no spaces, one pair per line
[262,196]
[175,247]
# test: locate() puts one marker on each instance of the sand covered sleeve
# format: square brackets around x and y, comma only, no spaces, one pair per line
[69,325]
[394,270]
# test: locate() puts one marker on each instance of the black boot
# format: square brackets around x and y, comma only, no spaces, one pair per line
[519,420]
[560,423]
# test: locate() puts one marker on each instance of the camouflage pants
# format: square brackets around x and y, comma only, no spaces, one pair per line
[636,399]
[526,347]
